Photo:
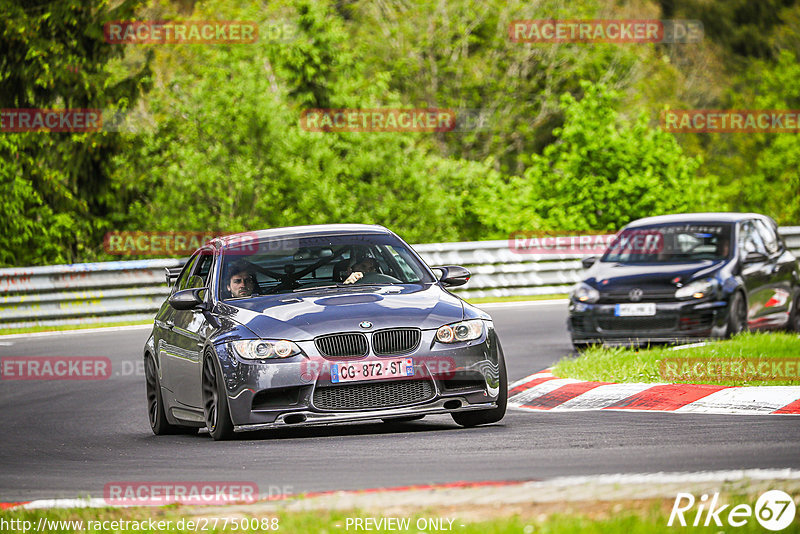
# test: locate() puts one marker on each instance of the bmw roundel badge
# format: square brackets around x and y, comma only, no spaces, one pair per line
[365,324]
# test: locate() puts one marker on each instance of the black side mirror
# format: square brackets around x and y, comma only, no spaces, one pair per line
[453,275]
[588,262]
[755,257]
[187,299]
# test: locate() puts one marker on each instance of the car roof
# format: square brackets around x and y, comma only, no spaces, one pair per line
[721,217]
[311,230]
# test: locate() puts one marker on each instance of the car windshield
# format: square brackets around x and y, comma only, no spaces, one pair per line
[671,243]
[291,265]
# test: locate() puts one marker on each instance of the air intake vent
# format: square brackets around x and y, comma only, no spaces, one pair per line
[381,395]
[396,341]
[342,345]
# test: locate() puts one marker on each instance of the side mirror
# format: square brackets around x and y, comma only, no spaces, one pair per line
[755,257]
[187,299]
[453,275]
[588,262]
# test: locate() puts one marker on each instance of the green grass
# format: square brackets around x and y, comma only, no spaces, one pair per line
[644,365]
[601,517]
[59,328]
[518,298]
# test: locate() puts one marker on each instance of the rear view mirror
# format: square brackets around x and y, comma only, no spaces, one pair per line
[453,275]
[588,262]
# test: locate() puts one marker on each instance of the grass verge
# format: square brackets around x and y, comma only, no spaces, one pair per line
[612,516]
[750,359]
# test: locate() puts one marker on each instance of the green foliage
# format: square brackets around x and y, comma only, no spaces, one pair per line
[603,172]
[54,56]
[220,146]
[230,153]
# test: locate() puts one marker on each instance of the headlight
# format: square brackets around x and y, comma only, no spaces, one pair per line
[697,289]
[463,331]
[262,349]
[583,292]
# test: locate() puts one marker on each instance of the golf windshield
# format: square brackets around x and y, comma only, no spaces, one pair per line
[671,243]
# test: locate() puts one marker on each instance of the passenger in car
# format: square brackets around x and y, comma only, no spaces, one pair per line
[367,265]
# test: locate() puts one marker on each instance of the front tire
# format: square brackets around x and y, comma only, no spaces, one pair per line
[794,316]
[737,316]
[155,403]
[215,401]
[485,417]
[580,346]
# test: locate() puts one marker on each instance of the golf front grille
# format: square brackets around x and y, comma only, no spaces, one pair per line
[396,341]
[376,395]
[342,345]
[642,325]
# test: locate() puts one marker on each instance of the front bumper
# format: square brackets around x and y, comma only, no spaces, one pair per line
[673,322]
[309,418]
[298,391]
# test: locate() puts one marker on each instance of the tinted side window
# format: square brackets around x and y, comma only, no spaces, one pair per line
[199,276]
[768,235]
[750,240]
[184,277]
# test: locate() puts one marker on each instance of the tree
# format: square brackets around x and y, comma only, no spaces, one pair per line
[53,55]
[602,172]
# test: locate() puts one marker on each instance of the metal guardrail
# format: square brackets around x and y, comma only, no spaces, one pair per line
[120,291]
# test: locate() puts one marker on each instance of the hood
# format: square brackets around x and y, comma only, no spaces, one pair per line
[305,315]
[626,274]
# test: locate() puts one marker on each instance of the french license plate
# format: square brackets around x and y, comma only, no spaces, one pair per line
[372,370]
[638,309]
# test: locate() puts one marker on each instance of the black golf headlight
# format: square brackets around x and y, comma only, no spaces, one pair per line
[697,289]
[583,292]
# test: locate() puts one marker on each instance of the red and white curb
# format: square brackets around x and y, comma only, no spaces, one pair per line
[544,392]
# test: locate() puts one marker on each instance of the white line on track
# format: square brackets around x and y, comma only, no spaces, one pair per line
[76,332]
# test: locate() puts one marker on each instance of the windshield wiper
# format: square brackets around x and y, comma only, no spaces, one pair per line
[299,289]
[342,286]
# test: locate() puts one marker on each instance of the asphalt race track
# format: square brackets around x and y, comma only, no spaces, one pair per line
[70,438]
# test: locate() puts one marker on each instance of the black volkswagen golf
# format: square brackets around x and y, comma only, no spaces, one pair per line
[677,277]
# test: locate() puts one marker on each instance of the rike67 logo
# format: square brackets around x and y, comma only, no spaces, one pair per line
[774,510]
